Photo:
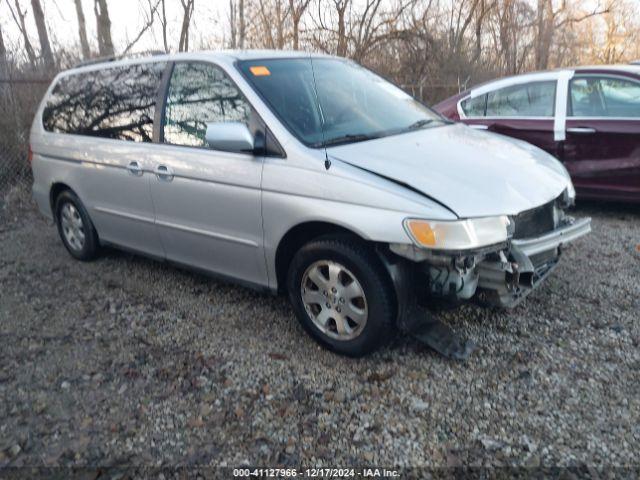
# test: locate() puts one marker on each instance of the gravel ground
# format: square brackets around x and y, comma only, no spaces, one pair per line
[127,361]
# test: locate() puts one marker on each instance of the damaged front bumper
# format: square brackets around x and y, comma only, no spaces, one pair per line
[516,273]
[501,275]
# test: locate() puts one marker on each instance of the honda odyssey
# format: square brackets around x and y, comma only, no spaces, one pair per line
[297,173]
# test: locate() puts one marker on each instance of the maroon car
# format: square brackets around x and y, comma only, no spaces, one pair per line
[587,117]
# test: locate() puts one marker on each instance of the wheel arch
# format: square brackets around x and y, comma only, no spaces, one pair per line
[54,192]
[300,234]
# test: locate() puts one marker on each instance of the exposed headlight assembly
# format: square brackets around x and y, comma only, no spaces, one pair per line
[457,235]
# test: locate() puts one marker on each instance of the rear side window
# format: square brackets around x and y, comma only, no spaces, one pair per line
[200,93]
[604,97]
[117,103]
[534,99]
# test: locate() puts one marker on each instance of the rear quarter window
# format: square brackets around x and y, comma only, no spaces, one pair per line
[117,103]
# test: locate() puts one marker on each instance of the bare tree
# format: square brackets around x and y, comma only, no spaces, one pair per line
[153,8]
[237,23]
[18,17]
[3,58]
[297,9]
[242,31]
[82,30]
[273,17]
[103,27]
[163,24]
[549,21]
[187,8]
[43,36]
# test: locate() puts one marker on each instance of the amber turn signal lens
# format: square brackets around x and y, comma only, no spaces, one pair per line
[260,71]
[422,232]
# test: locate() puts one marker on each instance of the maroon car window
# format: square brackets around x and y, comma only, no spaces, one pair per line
[604,97]
[534,99]
[474,107]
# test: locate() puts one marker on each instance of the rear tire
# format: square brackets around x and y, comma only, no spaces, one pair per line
[75,228]
[342,295]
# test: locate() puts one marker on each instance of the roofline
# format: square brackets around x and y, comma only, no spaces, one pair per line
[159,56]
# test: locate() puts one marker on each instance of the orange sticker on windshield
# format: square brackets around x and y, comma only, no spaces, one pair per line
[260,71]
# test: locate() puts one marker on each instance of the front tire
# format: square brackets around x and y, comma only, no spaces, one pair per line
[342,295]
[76,230]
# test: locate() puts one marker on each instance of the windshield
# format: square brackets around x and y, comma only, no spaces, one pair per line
[350,104]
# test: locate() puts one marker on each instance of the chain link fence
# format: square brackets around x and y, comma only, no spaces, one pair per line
[19,98]
[15,172]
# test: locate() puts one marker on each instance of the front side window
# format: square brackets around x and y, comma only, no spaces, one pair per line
[604,97]
[117,103]
[474,107]
[200,93]
[534,99]
[332,101]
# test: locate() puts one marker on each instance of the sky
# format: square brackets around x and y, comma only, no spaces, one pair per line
[127,18]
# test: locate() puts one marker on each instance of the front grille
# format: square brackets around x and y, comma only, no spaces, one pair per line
[535,222]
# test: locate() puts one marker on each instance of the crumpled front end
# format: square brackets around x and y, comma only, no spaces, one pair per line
[503,274]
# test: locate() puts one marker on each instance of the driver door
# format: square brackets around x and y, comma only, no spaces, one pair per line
[207,202]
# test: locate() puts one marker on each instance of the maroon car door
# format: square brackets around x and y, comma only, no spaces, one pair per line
[524,111]
[602,145]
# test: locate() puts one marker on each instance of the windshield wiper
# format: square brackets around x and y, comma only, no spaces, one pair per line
[349,138]
[420,123]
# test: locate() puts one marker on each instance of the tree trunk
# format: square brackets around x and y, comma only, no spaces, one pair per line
[296,15]
[31,54]
[544,35]
[3,51]
[82,30]
[163,21]
[4,68]
[45,45]
[341,8]
[103,27]
[232,24]
[241,26]
[187,6]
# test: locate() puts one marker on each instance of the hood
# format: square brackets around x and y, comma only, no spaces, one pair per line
[473,173]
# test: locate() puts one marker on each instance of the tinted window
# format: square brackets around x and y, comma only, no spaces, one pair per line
[332,101]
[526,100]
[474,107]
[200,93]
[114,103]
[604,97]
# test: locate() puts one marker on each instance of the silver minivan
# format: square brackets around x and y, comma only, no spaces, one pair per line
[298,173]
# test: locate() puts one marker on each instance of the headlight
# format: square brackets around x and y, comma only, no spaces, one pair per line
[459,234]
[571,191]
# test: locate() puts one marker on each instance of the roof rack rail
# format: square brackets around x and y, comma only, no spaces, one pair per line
[113,58]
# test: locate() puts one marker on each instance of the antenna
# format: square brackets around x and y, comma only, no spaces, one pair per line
[327,162]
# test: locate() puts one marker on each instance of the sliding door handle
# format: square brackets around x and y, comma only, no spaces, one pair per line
[581,130]
[134,169]
[164,173]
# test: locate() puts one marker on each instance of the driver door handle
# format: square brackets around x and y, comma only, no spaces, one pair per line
[581,130]
[134,169]
[164,173]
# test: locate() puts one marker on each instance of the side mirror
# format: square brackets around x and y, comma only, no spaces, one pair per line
[229,137]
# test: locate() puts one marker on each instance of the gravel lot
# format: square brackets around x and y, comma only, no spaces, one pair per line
[128,361]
